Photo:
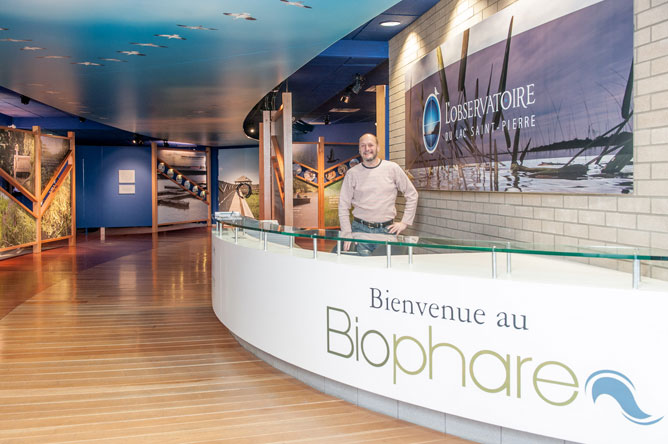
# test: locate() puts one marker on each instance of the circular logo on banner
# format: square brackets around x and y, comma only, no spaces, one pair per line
[431,123]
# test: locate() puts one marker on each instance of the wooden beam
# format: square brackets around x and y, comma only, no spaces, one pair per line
[17,185]
[154,187]
[208,184]
[47,203]
[19,203]
[381,120]
[321,182]
[287,158]
[265,167]
[73,184]
[37,207]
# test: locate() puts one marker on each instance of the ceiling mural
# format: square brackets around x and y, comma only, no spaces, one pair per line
[183,71]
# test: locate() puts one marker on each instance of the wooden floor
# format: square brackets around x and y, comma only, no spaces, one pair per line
[117,342]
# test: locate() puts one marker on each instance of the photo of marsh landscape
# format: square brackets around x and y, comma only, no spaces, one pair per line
[528,108]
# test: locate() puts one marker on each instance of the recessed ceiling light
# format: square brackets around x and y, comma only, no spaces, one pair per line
[390,23]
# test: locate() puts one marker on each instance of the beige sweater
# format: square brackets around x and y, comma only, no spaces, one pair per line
[372,192]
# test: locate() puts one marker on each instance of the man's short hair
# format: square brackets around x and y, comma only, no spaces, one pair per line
[369,134]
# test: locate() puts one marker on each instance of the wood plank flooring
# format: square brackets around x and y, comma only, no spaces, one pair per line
[117,342]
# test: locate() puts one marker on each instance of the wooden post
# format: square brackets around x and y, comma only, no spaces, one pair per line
[266,184]
[321,182]
[208,184]
[37,134]
[260,163]
[287,157]
[154,187]
[73,183]
[381,121]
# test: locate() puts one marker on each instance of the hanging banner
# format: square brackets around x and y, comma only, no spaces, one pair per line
[537,98]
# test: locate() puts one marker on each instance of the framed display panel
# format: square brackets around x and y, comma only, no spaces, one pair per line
[37,189]
[537,98]
[182,187]
[238,181]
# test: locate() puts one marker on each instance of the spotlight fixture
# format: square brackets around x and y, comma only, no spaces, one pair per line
[358,84]
[137,140]
[82,119]
[345,98]
[25,99]
[165,143]
[326,119]
[390,23]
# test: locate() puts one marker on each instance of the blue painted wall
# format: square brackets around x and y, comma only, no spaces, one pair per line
[98,202]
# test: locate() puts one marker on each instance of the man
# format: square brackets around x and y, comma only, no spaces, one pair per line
[371,188]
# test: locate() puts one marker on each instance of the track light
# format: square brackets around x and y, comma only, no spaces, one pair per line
[82,119]
[137,140]
[25,99]
[345,98]
[326,119]
[358,84]
[165,143]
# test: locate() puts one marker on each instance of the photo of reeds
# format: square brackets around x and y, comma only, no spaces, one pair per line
[17,156]
[54,151]
[538,98]
[17,226]
[57,219]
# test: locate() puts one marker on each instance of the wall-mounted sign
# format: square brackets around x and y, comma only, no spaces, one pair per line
[536,98]
[124,188]
[126,176]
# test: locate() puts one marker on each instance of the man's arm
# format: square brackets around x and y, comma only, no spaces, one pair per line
[411,195]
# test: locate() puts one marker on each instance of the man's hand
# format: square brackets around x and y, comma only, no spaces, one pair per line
[397,227]
[346,245]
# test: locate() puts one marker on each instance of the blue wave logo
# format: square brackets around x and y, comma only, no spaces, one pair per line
[621,389]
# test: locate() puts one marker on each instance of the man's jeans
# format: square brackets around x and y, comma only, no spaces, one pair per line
[365,249]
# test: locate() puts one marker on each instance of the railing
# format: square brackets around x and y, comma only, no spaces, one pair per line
[239,225]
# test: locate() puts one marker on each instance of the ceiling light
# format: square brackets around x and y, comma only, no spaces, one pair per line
[357,85]
[25,99]
[390,23]
[326,119]
[345,98]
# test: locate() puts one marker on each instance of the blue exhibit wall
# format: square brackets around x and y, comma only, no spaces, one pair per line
[98,203]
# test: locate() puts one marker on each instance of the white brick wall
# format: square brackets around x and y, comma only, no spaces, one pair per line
[637,220]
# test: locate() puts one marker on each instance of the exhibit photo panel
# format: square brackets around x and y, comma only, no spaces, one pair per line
[536,98]
[182,186]
[239,181]
[36,190]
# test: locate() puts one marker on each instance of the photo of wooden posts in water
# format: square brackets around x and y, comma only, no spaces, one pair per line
[537,98]
[186,170]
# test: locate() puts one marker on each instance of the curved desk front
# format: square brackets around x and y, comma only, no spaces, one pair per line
[555,348]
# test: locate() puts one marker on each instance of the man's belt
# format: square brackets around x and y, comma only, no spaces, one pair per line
[373,224]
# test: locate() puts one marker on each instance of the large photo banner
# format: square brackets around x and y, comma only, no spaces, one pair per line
[537,98]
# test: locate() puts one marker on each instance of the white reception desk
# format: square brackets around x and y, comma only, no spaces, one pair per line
[549,347]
